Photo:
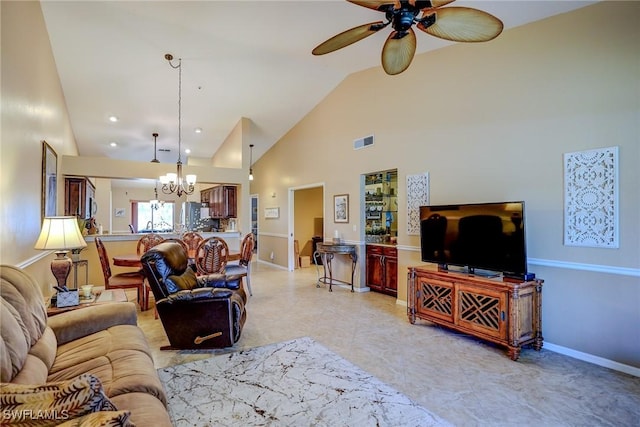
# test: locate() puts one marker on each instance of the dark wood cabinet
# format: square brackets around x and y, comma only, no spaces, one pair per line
[382,269]
[504,312]
[222,201]
[79,197]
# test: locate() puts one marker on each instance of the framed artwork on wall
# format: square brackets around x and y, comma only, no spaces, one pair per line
[119,212]
[272,213]
[49,181]
[341,208]
[591,198]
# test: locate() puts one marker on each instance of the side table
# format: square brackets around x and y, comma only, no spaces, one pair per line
[105,297]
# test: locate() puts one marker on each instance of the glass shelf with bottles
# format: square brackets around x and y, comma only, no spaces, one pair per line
[381,206]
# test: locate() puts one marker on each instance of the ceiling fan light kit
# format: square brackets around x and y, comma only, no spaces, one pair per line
[459,24]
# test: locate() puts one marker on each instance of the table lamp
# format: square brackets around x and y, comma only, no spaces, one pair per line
[60,233]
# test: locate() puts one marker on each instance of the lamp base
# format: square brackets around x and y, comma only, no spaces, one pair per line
[61,267]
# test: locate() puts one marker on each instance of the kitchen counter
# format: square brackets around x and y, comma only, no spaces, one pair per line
[388,245]
[137,236]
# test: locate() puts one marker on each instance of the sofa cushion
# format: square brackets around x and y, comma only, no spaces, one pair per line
[145,409]
[119,355]
[24,319]
[52,402]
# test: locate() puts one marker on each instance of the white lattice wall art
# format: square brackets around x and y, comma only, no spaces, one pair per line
[591,198]
[417,195]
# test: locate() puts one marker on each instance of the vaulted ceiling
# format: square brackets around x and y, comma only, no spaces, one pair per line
[239,59]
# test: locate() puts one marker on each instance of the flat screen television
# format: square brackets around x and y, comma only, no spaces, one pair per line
[489,237]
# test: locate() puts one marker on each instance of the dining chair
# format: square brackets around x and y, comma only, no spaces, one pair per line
[192,240]
[134,279]
[211,256]
[181,242]
[243,266]
[148,241]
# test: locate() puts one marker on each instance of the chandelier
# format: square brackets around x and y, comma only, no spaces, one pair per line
[175,182]
[155,203]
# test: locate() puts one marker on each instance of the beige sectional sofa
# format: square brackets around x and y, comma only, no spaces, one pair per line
[103,340]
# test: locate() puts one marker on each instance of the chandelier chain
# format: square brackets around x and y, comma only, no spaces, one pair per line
[176,182]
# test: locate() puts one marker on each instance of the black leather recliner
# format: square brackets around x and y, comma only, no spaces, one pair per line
[196,312]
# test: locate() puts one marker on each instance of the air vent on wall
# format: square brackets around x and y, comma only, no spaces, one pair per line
[164,150]
[362,142]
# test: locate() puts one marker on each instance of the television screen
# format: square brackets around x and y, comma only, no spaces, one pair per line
[486,236]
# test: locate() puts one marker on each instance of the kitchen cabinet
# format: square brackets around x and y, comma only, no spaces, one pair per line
[382,269]
[79,197]
[222,200]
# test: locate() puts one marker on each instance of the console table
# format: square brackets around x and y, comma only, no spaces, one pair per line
[78,263]
[327,251]
[504,311]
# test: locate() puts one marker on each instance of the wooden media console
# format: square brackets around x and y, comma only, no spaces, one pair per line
[504,311]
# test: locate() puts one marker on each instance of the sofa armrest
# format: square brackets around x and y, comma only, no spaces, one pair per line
[79,323]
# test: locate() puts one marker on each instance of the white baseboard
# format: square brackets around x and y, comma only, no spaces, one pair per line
[596,360]
[273,265]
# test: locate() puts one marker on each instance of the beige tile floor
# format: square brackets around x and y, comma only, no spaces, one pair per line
[466,381]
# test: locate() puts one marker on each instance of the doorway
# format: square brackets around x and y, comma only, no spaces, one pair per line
[306,220]
[254,221]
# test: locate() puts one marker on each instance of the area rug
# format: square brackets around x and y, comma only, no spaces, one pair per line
[293,383]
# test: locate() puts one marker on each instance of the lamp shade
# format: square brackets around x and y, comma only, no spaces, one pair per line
[60,233]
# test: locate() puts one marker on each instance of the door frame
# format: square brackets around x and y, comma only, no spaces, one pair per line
[291,220]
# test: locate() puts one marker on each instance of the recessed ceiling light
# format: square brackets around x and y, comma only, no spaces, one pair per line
[198,130]
[113,119]
[113,144]
[187,150]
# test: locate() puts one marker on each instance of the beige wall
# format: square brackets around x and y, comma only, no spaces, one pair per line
[490,122]
[33,110]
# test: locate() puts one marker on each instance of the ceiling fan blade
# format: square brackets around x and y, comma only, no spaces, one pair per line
[397,52]
[348,37]
[463,24]
[383,5]
[373,4]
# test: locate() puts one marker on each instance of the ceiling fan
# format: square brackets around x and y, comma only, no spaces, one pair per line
[460,24]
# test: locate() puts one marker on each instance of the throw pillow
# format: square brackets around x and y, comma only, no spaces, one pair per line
[51,403]
[101,419]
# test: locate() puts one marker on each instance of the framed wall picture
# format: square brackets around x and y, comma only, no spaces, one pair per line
[341,208]
[272,213]
[119,212]
[49,181]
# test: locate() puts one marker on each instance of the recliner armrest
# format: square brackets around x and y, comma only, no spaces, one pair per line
[215,280]
[197,294]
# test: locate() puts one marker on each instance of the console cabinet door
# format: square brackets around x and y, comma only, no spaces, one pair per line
[434,298]
[484,311]
[374,268]
[390,263]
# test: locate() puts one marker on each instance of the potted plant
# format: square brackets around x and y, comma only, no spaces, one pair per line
[75,254]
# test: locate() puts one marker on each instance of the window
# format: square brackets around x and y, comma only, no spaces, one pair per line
[147,219]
